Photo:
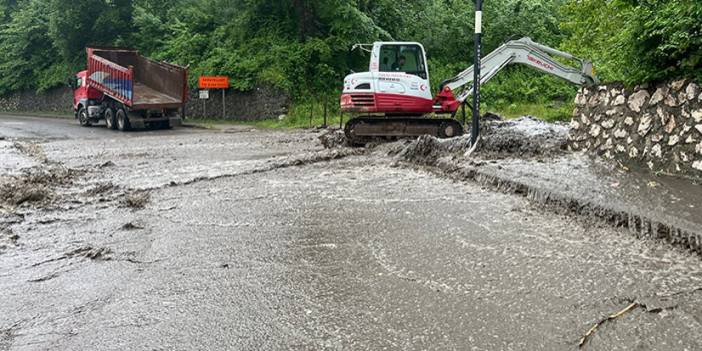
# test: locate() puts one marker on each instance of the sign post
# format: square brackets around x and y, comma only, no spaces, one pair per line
[216,82]
[475,126]
[204,95]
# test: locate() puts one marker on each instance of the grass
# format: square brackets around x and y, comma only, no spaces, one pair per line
[299,115]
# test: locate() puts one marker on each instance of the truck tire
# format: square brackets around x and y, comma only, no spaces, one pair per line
[110,118]
[123,120]
[83,117]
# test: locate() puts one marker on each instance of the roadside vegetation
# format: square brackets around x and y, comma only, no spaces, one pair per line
[302,46]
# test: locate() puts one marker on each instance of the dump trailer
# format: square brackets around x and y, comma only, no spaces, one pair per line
[127,90]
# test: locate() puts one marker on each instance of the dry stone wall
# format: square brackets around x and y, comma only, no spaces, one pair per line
[658,126]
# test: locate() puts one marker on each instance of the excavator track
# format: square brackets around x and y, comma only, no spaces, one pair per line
[362,130]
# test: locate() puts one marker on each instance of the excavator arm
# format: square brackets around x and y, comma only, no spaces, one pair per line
[527,52]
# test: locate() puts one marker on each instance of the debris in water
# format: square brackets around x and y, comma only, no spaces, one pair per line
[132,226]
[101,189]
[7,239]
[35,184]
[32,150]
[333,139]
[137,200]
[44,278]
[107,164]
[592,330]
[37,194]
[89,252]
[646,308]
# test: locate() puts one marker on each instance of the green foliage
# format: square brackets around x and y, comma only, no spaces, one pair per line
[42,42]
[635,40]
[73,24]
[25,61]
[302,46]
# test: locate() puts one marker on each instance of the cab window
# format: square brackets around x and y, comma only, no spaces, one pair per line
[403,58]
[76,83]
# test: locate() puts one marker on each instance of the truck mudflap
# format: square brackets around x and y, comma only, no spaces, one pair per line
[94,111]
[175,121]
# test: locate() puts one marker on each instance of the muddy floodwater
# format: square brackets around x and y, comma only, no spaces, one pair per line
[243,239]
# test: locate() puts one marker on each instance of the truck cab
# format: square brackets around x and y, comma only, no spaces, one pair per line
[84,96]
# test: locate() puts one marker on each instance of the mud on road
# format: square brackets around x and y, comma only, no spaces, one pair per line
[245,239]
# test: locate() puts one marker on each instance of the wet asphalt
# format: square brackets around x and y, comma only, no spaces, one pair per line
[263,240]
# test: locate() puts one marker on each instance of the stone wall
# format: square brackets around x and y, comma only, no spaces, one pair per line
[261,103]
[58,100]
[657,126]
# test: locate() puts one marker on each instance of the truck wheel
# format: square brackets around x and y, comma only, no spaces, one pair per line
[83,117]
[110,118]
[123,120]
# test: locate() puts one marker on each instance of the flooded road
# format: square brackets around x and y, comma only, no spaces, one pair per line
[245,240]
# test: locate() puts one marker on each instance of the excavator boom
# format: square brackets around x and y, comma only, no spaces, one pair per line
[527,52]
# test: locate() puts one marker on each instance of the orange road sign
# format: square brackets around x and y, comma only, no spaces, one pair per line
[213,82]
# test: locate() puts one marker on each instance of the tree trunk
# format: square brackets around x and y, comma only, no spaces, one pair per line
[304,18]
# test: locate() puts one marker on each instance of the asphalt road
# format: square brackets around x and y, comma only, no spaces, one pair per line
[263,240]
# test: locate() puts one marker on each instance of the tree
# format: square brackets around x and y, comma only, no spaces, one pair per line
[26,58]
[75,24]
[637,41]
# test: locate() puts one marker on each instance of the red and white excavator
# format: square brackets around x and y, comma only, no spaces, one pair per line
[394,99]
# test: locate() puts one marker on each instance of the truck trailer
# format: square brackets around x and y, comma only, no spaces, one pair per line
[127,90]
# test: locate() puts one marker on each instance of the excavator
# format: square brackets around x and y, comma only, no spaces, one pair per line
[394,100]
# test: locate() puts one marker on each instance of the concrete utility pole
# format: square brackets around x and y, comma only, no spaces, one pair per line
[475,127]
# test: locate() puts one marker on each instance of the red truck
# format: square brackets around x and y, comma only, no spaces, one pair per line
[128,90]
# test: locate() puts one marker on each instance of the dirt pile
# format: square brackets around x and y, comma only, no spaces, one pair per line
[34,185]
[525,137]
[427,148]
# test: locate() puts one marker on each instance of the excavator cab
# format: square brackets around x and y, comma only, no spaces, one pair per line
[397,82]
